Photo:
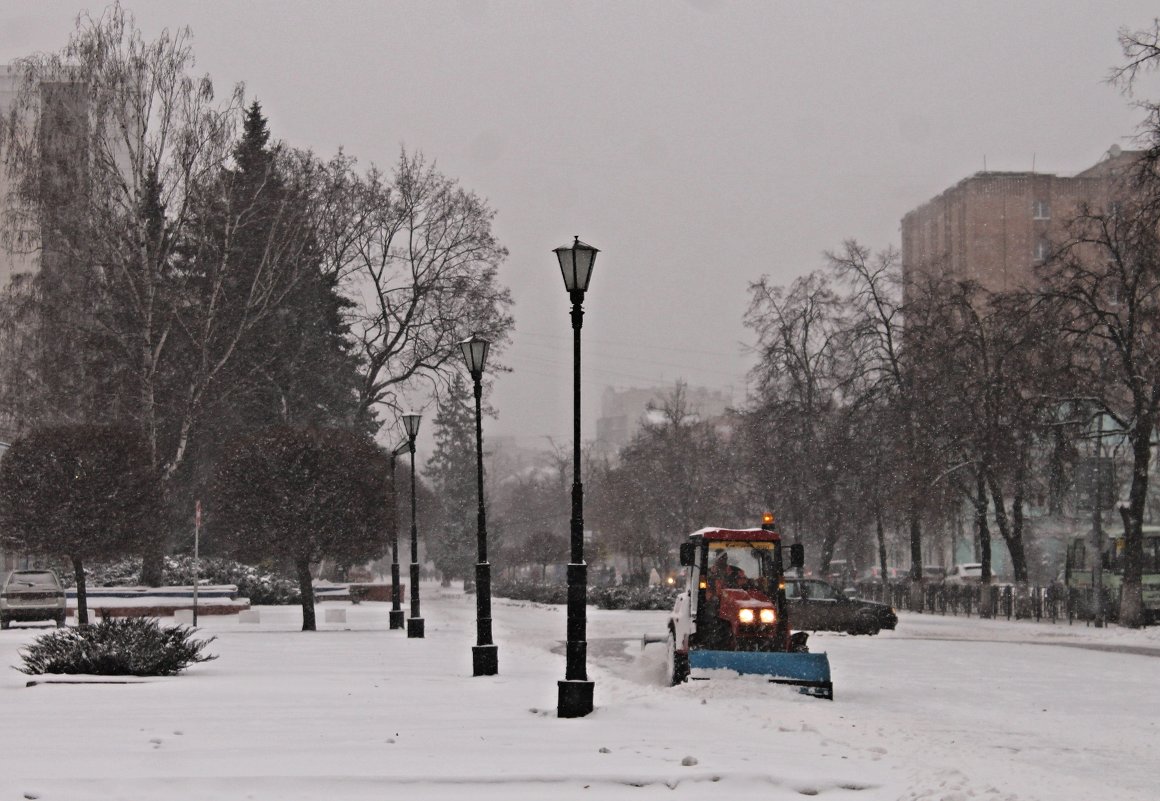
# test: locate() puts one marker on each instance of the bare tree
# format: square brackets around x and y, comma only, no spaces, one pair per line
[1105,282]
[677,474]
[998,377]
[886,373]
[797,379]
[417,255]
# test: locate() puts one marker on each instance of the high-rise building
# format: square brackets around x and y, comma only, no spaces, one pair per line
[994,227]
[624,411]
[9,262]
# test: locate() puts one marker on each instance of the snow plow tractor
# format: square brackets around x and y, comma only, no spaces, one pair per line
[732,613]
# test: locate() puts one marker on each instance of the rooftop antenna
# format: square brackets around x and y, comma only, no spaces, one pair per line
[984,162]
[1033,163]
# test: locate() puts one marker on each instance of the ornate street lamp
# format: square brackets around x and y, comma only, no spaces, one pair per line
[575,692]
[484,654]
[396,615]
[414,622]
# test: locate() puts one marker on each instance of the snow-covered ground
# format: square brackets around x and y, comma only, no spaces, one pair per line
[942,708]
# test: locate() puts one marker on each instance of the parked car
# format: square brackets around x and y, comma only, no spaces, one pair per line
[816,605]
[934,574]
[966,573]
[32,595]
[873,576]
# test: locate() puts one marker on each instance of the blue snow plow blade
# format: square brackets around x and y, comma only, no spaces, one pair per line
[809,672]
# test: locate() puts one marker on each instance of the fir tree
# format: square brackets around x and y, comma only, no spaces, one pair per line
[452,473]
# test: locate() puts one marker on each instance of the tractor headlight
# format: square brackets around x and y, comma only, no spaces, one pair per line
[745,615]
[767,616]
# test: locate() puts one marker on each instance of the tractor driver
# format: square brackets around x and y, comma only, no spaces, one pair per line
[724,575]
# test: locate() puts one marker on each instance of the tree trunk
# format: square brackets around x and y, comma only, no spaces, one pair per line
[152,566]
[306,588]
[82,592]
[1011,536]
[916,594]
[880,530]
[984,543]
[1131,600]
[1016,546]
[829,544]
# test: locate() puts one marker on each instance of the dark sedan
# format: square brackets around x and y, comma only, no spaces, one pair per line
[815,605]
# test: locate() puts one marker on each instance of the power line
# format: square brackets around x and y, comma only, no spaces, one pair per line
[622,343]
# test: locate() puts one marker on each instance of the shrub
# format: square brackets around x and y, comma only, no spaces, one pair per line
[532,591]
[263,587]
[135,646]
[620,597]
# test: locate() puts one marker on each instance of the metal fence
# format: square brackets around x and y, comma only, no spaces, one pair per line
[1053,602]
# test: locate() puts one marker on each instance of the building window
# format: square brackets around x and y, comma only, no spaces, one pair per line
[1042,210]
[1042,250]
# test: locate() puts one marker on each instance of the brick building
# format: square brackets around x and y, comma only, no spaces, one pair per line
[994,227]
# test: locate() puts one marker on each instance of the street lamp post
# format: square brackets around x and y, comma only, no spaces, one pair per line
[575,692]
[414,622]
[484,654]
[396,615]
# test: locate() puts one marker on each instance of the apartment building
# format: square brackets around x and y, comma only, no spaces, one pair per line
[994,227]
[624,410]
[10,263]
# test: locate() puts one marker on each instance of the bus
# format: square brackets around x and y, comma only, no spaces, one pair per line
[1079,573]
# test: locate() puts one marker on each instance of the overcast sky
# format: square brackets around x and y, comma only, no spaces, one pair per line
[698,144]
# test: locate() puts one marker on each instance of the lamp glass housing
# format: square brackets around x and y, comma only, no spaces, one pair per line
[411,424]
[474,350]
[576,262]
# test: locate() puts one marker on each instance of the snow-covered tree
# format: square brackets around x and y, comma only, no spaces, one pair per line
[82,492]
[451,471]
[302,495]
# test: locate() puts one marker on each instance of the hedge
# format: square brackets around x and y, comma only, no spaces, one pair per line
[619,597]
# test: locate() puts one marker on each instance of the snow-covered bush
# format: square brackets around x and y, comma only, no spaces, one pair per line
[621,597]
[262,586]
[531,591]
[134,646]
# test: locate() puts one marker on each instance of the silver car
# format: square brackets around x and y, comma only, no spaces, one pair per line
[966,573]
[32,595]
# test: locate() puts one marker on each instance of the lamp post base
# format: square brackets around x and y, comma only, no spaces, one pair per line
[575,699]
[415,627]
[397,618]
[484,660]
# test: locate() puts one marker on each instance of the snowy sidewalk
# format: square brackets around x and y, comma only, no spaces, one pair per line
[357,711]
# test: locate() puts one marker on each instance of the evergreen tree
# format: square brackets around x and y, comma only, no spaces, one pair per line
[451,545]
[84,492]
[302,495]
[295,367]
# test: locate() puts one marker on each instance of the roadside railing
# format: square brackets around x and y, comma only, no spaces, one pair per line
[1052,602]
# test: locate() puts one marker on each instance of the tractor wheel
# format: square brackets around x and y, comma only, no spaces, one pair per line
[677,665]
